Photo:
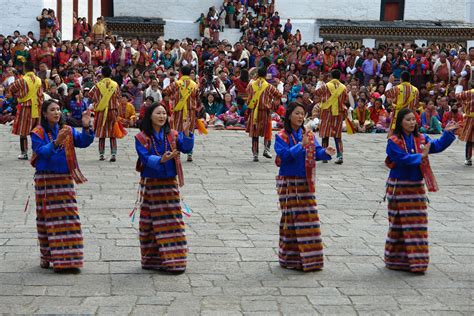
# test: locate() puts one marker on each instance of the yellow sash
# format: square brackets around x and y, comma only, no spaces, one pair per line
[257,93]
[184,94]
[106,94]
[333,101]
[400,104]
[32,94]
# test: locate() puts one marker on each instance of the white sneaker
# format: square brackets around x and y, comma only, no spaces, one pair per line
[468,162]
[23,156]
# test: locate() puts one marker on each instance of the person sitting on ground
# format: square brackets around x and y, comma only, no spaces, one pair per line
[126,111]
[430,123]
[230,117]
[379,117]
[361,117]
[6,111]
[453,115]
[76,108]
[313,121]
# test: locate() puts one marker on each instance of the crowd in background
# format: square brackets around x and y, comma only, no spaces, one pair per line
[68,69]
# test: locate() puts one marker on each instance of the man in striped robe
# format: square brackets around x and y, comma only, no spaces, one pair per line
[262,98]
[185,93]
[29,93]
[404,95]
[105,96]
[333,97]
[467,131]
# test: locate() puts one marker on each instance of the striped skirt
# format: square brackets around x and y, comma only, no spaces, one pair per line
[300,244]
[331,126]
[57,221]
[24,123]
[467,131]
[104,130]
[406,247]
[162,233]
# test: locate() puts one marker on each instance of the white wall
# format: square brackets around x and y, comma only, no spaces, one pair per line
[456,10]
[325,9]
[66,19]
[187,10]
[20,15]
[179,29]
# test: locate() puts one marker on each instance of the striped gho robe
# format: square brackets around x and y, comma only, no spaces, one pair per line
[402,99]
[331,125]
[467,132]
[177,117]
[105,130]
[24,122]
[266,103]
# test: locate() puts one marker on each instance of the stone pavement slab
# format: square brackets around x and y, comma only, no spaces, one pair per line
[233,239]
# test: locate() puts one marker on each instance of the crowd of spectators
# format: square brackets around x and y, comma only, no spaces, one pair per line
[69,68]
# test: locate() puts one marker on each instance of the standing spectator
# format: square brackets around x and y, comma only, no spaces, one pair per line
[98,30]
[154,91]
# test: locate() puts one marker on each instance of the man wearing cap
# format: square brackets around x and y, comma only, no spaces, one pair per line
[333,97]
[29,93]
[262,97]
[105,96]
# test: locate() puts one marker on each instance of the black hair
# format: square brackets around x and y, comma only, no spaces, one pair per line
[106,72]
[244,75]
[405,76]
[152,99]
[398,125]
[74,93]
[44,121]
[186,70]
[336,74]
[262,72]
[287,121]
[28,66]
[147,125]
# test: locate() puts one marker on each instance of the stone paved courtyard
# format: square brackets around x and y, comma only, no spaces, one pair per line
[233,239]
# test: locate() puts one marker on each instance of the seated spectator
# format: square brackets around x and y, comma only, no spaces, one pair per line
[154,91]
[452,115]
[313,121]
[6,111]
[212,107]
[219,123]
[148,102]
[430,123]
[361,117]
[126,111]
[230,117]
[379,117]
[75,109]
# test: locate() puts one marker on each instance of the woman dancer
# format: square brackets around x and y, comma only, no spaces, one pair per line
[406,247]
[297,150]
[54,157]
[162,232]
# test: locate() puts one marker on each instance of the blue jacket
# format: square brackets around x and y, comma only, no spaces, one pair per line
[151,160]
[52,159]
[293,155]
[407,165]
